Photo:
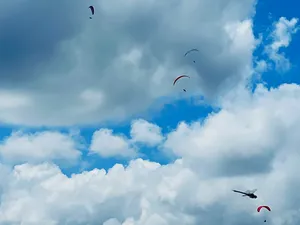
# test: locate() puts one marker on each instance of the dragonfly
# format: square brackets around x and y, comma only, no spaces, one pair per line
[249,193]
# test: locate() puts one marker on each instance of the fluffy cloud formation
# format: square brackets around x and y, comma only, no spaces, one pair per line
[76,70]
[242,138]
[281,37]
[39,147]
[146,193]
[144,132]
[106,144]
[244,146]
[62,68]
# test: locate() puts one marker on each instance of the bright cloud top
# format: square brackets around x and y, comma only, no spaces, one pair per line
[39,147]
[145,132]
[281,37]
[106,144]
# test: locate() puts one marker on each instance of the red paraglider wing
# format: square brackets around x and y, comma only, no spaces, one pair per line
[263,206]
[179,78]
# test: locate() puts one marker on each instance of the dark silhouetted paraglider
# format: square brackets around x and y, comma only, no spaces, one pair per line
[192,50]
[179,77]
[92,10]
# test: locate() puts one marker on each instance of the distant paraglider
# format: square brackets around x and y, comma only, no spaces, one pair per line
[92,10]
[179,77]
[192,50]
[263,206]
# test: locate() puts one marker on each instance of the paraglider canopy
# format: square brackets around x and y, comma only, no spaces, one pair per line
[179,77]
[192,50]
[263,206]
[92,10]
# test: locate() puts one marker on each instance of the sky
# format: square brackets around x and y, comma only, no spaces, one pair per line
[94,132]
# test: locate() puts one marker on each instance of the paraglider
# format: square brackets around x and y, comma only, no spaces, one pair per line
[250,194]
[192,50]
[92,10]
[263,206]
[179,77]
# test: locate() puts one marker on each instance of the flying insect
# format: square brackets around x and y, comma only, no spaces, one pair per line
[249,194]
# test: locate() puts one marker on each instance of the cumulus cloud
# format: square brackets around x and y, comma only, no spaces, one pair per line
[261,66]
[242,138]
[147,192]
[144,132]
[106,144]
[281,37]
[60,68]
[244,146]
[38,147]
[63,68]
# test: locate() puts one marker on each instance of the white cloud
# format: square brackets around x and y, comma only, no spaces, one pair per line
[144,132]
[261,66]
[121,61]
[106,144]
[281,37]
[116,65]
[252,144]
[112,221]
[140,194]
[10,100]
[38,147]
[256,127]
[284,28]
